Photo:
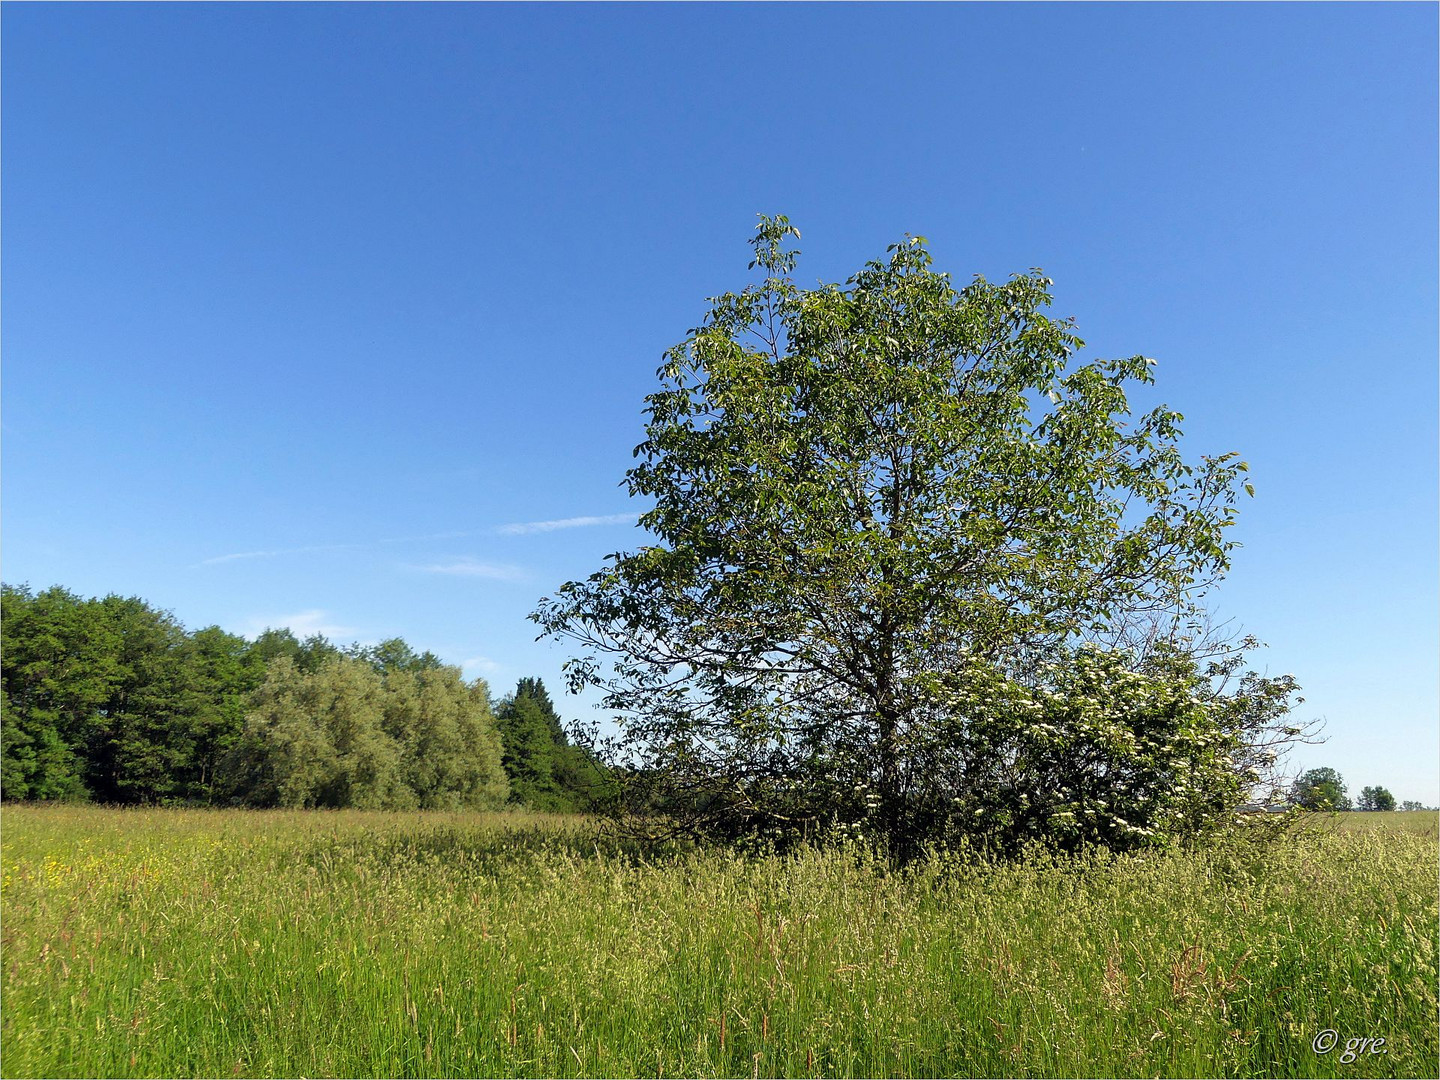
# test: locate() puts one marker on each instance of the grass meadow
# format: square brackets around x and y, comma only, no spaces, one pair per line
[241,943]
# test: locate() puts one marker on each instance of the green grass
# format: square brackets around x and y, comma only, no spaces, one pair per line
[1422,822]
[169,942]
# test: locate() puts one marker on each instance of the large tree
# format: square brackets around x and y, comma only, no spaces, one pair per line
[111,697]
[349,735]
[918,573]
[1376,798]
[1320,789]
[55,679]
[546,771]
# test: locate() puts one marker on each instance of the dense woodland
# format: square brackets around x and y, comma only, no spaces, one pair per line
[112,700]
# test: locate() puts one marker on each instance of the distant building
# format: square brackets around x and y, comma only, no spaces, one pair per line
[1261,808]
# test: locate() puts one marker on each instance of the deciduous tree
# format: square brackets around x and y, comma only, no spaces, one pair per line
[1375,798]
[1320,789]
[917,573]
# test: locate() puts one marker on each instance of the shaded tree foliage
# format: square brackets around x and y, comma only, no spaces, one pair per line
[919,575]
[113,700]
[1375,798]
[1320,789]
[347,735]
[546,770]
[394,655]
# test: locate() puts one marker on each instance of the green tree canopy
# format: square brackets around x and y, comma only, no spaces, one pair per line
[307,655]
[104,696]
[346,735]
[1320,789]
[1375,798]
[529,753]
[111,698]
[55,680]
[917,573]
[450,748]
[534,689]
[546,771]
[394,654]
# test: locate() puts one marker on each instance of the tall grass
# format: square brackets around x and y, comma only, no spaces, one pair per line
[163,943]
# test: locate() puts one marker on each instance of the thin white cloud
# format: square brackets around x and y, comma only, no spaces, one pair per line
[271,554]
[482,664]
[309,548]
[421,539]
[301,623]
[521,528]
[473,568]
[237,555]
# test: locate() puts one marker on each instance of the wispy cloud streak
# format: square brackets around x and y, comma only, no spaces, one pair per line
[276,551]
[474,568]
[519,528]
[524,527]
[311,548]
[428,536]
[302,624]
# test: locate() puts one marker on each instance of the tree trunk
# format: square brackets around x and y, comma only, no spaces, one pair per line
[891,803]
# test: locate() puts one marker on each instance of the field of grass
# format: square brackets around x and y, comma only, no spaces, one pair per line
[172,942]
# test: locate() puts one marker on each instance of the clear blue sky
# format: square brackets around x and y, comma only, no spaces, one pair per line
[304,304]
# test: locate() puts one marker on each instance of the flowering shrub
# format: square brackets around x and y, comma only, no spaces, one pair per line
[1102,748]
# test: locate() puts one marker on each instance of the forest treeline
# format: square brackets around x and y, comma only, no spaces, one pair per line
[112,700]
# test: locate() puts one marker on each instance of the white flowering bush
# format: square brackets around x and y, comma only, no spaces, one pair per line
[1103,747]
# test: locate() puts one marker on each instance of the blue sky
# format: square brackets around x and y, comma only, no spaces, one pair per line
[312,311]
